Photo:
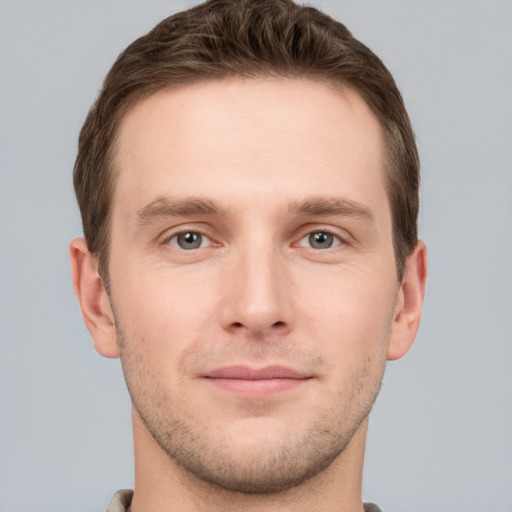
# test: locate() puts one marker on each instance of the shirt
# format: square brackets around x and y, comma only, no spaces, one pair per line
[122,499]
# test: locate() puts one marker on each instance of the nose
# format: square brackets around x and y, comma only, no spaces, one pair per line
[258,293]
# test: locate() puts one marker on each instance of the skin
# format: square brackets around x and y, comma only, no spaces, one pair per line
[264,175]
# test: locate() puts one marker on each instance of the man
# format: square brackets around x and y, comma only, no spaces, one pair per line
[248,184]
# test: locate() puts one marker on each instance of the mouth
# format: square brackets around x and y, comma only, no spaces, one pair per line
[249,382]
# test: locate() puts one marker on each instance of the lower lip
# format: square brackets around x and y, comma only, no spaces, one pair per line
[257,388]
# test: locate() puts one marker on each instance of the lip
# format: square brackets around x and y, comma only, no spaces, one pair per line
[256,382]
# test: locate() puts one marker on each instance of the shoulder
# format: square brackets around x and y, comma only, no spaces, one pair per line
[371,507]
[121,501]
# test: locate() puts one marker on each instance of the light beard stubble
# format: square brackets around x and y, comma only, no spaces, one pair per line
[261,471]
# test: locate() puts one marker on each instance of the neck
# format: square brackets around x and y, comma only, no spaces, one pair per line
[163,486]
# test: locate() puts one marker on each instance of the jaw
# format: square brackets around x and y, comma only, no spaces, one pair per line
[159,480]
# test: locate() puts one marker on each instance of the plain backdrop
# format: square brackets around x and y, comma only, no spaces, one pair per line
[441,432]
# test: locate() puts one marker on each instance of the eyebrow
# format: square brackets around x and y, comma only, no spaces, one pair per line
[169,207]
[174,207]
[331,206]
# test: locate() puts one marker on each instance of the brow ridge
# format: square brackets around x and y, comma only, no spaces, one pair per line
[174,207]
[330,206]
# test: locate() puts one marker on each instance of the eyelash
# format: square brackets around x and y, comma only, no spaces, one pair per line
[335,239]
[204,240]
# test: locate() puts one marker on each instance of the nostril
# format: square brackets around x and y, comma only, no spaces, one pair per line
[278,324]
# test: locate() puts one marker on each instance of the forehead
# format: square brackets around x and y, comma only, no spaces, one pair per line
[282,135]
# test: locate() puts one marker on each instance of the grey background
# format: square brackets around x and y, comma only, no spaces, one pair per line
[440,434]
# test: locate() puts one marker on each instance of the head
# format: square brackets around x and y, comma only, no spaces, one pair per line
[248,186]
[222,39]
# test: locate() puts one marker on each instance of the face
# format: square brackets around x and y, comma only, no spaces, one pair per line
[252,275]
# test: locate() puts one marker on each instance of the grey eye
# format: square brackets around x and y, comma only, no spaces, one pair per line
[188,240]
[321,240]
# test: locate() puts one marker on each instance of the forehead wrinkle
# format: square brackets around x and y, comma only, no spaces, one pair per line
[175,207]
[330,206]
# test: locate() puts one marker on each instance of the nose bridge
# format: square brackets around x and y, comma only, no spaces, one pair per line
[259,292]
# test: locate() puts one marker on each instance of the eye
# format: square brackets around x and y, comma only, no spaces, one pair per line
[320,240]
[189,240]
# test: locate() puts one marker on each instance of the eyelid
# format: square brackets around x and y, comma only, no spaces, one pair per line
[205,241]
[201,229]
[341,235]
[337,240]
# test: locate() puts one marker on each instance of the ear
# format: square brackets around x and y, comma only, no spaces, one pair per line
[409,302]
[93,299]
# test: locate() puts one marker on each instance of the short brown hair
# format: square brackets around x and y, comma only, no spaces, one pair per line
[247,38]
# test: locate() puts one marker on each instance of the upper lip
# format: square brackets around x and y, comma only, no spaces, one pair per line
[247,373]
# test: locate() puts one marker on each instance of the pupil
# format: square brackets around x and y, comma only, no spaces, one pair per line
[321,240]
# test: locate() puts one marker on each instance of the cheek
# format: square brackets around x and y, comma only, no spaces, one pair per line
[160,310]
[351,311]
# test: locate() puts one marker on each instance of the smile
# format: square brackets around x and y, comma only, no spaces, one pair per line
[256,383]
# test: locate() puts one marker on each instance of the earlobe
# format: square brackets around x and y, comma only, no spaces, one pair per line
[93,299]
[409,303]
